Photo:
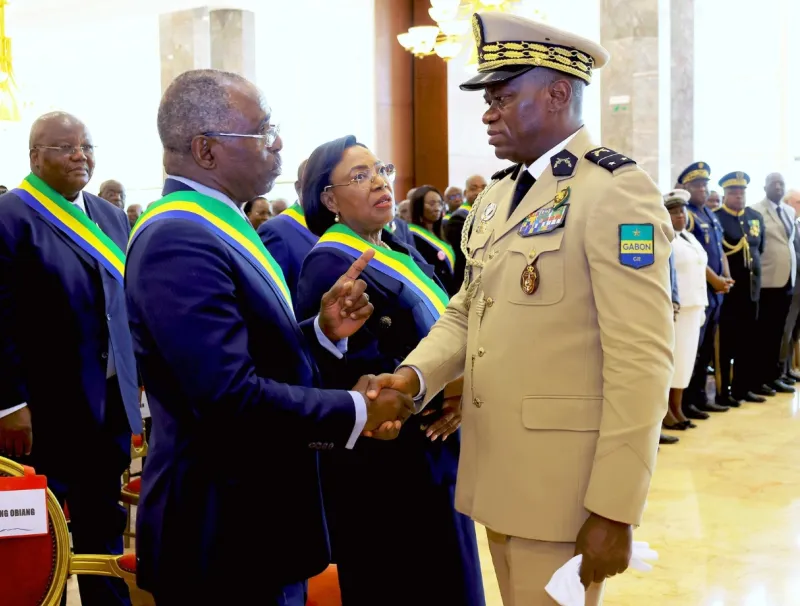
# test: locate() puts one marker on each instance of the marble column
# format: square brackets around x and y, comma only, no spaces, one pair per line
[630,82]
[185,39]
[233,41]
[682,85]
[201,38]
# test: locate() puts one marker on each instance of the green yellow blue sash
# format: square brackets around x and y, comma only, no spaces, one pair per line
[396,265]
[465,206]
[447,217]
[440,245]
[74,223]
[297,216]
[226,223]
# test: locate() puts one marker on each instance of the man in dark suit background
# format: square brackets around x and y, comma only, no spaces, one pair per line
[229,373]
[68,373]
[455,224]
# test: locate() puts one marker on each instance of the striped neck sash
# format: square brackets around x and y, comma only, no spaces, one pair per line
[297,216]
[466,206]
[74,223]
[447,216]
[391,263]
[226,223]
[444,250]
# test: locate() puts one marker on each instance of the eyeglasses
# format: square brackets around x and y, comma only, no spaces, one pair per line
[363,178]
[269,137]
[68,150]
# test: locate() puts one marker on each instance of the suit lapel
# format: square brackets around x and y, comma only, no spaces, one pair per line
[82,254]
[546,186]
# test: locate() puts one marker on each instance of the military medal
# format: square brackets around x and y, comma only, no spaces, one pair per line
[488,212]
[529,281]
[543,221]
[561,198]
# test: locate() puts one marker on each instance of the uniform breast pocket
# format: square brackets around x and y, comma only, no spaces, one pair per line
[545,255]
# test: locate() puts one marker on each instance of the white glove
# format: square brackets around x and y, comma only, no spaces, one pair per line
[566,588]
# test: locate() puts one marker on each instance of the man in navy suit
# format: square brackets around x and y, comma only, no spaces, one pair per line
[287,237]
[68,376]
[231,509]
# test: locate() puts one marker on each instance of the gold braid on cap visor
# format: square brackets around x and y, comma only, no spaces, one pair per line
[493,55]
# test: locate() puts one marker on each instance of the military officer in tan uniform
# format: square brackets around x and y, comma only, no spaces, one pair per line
[563,329]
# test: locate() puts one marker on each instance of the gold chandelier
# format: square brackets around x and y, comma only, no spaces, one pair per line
[9,109]
[453,24]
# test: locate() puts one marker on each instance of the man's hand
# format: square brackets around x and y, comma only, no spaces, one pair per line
[345,307]
[719,284]
[405,380]
[449,421]
[386,411]
[606,548]
[16,433]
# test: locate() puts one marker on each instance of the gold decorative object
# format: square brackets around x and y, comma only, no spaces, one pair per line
[452,32]
[9,109]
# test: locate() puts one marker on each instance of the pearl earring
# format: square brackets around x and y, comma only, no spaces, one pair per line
[336,218]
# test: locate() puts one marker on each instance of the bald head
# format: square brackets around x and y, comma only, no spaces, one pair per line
[298,185]
[775,187]
[61,153]
[197,102]
[113,191]
[474,186]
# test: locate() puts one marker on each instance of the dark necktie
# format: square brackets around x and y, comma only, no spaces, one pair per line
[782,216]
[524,183]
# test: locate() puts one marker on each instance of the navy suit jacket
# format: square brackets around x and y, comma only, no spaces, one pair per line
[230,493]
[288,243]
[403,234]
[55,321]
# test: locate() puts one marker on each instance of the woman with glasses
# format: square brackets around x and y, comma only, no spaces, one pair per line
[427,213]
[397,539]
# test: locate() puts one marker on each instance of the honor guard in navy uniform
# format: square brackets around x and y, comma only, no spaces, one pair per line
[567,255]
[743,243]
[704,226]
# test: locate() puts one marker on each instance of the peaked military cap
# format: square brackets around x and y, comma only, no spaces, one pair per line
[509,45]
[737,179]
[677,197]
[698,170]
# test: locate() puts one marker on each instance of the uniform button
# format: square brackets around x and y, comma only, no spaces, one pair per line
[108,317]
[477,403]
[104,355]
[481,351]
[489,301]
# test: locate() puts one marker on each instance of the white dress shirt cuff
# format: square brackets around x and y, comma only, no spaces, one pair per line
[361,418]
[420,397]
[13,409]
[337,349]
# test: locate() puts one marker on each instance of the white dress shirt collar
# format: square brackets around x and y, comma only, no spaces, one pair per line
[80,202]
[211,193]
[538,167]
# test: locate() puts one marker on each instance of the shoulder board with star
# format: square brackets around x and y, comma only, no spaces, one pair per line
[502,174]
[608,158]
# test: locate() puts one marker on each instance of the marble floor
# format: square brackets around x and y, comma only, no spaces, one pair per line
[723,513]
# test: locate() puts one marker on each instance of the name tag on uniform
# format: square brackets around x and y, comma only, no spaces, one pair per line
[636,245]
[23,506]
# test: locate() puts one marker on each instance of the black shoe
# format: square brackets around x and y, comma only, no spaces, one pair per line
[691,411]
[667,439]
[764,390]
[781,387]
[712,407]
[751,397]
[794,374]
[787,379]
[728,401]
[689,425]
[676,427]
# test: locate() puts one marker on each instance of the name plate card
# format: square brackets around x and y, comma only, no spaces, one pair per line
[23,506]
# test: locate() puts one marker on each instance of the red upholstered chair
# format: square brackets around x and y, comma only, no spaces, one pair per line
[132,487]
[323,589]
[34,570]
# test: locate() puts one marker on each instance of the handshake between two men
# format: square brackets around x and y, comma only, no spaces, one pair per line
[344,309]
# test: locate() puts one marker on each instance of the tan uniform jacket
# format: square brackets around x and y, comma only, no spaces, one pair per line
[565,389]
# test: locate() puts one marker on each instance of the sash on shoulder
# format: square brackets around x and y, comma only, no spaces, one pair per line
[296,216]
[393,264]
[440,245]
[226,223]
[74,223]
